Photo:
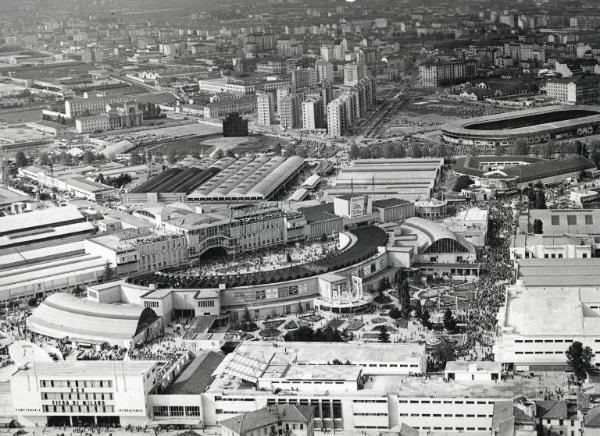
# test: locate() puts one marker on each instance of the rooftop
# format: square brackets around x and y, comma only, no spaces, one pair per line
[197,376]
[568,307]
[249,421]
[437,388]
[323,372]
[74,369]
[304,352]
[53,216]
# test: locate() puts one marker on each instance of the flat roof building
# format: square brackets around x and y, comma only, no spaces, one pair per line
[77,393]
[407,179]
[528,340]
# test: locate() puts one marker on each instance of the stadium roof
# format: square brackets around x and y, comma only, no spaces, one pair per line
[368,239]
[525,122]
[430,232]
[63,315]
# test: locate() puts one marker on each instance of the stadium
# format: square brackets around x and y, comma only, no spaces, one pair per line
[531,126]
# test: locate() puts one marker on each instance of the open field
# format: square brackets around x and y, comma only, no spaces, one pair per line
[19,134]
[204,146]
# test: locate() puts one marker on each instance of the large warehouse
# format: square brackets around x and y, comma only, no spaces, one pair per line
[532,126]
[519,171]
[408,179]
[251,178]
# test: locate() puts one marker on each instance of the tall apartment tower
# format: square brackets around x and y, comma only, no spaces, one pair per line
[290,112]
[312,113]
[336,118]
[265,108]
[354,72]
[324,91]
[324,71]
[304,78]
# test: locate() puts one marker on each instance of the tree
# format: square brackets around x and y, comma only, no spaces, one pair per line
[277,149]
[302,151]
[65,159]
[416,152]
[538,227]
[395,313]
[290,150]
[404,298]
[88,157]
[425,319]
[354,152]
[462,182]
[388,150]
[21,159]
[108,272]
[230,153]
[172,157]
[418,309]
[579,359]
[520,148]
[384,335]
[45,160]
[219,154]
[449,321]
[540,199]
[441,150]
[100,178]
[548,149]
[135,158]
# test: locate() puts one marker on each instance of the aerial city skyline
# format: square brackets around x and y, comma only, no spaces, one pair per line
[299,218]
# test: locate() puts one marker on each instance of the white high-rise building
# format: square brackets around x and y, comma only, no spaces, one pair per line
[265,108]
[336,118]
[350,100]
[354,72]
[312,113]
[324,71]
[290,111]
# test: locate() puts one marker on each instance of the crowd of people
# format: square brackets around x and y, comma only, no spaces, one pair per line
[12,323]
[496,274]
[267,259]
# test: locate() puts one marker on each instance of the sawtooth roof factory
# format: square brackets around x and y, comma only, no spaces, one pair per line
[251,178]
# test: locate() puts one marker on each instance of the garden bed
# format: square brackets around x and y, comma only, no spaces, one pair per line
[269,333]
[355,324]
